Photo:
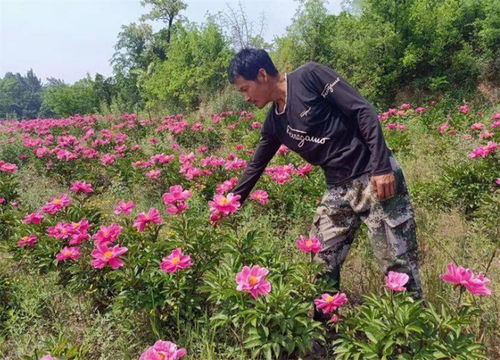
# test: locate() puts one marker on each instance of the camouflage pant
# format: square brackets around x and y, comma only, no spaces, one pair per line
[391,227]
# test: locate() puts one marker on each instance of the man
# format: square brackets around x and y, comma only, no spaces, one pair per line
[317,114]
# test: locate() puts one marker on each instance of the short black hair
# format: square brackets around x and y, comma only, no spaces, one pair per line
[247,62]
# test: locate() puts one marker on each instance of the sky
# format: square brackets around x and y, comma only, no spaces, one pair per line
[66,39]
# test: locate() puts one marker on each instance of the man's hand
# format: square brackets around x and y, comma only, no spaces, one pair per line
[384,186]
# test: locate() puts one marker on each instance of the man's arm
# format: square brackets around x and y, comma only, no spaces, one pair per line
[266,149]
[349,101]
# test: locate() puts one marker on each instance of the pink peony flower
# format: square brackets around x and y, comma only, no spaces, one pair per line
[33,218]
[103,255]
[176,194]
[464,109]
[80,186]
[460,276]
[260,196]
[225,205]
[477,126]
[477,285]
[30,240]
[57,204]
[175,261]
[153,174]
[124,207]
[107,234]
[72,252]
[163,350]
[8,167]
[328,303]
[395,280]
[226,185]
[309,244]
[252,280]
[143,219]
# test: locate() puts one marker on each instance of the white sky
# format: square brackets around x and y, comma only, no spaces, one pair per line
[66,39]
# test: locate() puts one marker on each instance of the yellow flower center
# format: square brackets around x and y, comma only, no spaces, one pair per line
[108,254]
[330,298]
[25,238]
[56,201]
[252,280]
[309,242]
[224,201]
[176,260]
[75,225]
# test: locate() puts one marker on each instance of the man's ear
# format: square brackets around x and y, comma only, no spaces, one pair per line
[262,75]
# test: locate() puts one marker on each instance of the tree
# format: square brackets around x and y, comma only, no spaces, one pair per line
[20,95]
[164,10]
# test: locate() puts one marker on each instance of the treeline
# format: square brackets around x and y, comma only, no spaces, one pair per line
[381,46]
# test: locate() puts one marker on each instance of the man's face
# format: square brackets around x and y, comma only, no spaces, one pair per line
[254,91]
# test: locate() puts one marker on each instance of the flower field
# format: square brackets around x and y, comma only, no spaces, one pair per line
[120,239]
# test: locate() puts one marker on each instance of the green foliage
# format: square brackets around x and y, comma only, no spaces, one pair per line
[20,96]
[395,327]
[195,69]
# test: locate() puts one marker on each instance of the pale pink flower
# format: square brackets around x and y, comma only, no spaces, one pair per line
[477,126]
[396,280]
[66,252]
[124,207]
[252,280]
[47,357]
[260,196]
[104,255]
[226,185]
[486,134]
[405,106]
[33,218]
[143,219]
[30,240]
[80,186]
[311,244]
[328,303]
[107,159]
[175,261]
[163,350]
[153,174]
[256,125]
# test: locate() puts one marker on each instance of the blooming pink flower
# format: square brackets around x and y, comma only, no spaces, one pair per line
[283,149]
[461,276]
[153,174]
[226,205]
[124,207]
[143,219]
[477,285]
[328,303]
[260,196]
[252,280]
[103,255]
[72,252]
[395,280]
[107,159]
[226,185]
[303,170]
[486,134]
[175,261]
[256,125]
[8,167]
[57,204]
[176,193]
[405,106]
[107,234]
[80,186]
[477,126]
[33,218]
[464,109]
[311,244]
[163,350]
[30,240]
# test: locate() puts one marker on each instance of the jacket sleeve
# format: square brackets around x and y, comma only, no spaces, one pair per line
[267,147]
[338,92]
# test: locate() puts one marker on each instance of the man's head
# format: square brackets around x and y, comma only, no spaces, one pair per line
[253,73]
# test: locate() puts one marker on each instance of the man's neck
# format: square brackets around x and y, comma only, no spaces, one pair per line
[280,92]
